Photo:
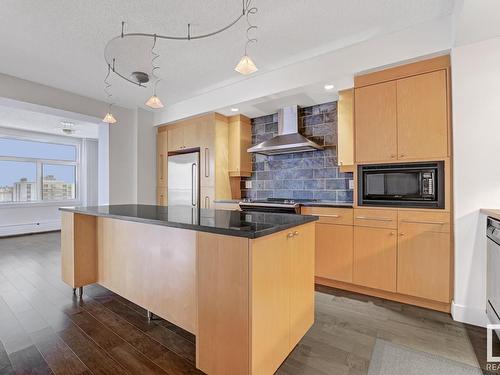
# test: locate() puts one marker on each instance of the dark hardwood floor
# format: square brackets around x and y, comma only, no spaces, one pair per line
[45,329]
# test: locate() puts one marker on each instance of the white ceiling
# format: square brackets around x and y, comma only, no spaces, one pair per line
[61,43]
[17,118]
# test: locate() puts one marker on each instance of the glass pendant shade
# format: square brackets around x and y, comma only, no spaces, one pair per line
[154,102]
[109,118]
[246,66]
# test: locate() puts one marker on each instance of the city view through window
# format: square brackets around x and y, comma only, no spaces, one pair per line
[32,171]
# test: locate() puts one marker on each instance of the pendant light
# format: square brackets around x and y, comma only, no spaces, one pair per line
[154,101]
[109,118]
[246,65]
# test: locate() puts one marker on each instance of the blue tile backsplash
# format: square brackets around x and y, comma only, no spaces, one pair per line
[304,175]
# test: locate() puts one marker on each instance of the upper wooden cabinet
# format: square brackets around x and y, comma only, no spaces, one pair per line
[402,113]
[175,138]
[422,116]
[376,123]
[240,139]
[345,131]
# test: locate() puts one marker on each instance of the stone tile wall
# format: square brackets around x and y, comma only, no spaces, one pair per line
[305,175]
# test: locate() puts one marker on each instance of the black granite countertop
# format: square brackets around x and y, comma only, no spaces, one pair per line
[227,222]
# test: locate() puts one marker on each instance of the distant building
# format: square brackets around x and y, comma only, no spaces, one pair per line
[56,190]
[24,191]
[5,193]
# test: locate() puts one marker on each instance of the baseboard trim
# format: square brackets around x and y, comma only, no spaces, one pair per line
[402,298]
[27,228]
[469,315]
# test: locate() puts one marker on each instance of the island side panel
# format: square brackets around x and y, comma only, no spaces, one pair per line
[78,249]
[222,344]
[302,282]
[270,302]
[153,266]
[282,295]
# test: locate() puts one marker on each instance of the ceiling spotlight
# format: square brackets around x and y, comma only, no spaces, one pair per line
[234,109]
[329,87]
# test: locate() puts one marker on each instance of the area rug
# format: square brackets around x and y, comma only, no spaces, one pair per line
[392,359]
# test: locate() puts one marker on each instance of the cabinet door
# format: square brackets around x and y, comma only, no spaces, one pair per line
[161,196]
[161,158]
[334,251]
[207,197]
[375,119]
[301,247]
[424,262]
[207,154]
[375,258]
[240,139]
[175,138]
[191,135]
[422,116]
[345,130]
[270,302]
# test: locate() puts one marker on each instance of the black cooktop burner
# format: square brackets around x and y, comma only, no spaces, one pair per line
[279,200]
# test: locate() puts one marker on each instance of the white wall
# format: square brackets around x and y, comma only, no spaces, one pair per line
[476,137]
[146,158]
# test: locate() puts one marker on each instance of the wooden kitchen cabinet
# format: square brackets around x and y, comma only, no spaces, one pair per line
[375,252]
[240,139]
[424,259]
[345,130]
[161,157]
[422,116]
[175,138]
[161,196]
[302,282]
[376,122]
[334,252]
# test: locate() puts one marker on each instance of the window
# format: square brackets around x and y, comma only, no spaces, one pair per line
[34,171]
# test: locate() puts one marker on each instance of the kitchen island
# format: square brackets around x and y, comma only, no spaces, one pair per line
[242,282]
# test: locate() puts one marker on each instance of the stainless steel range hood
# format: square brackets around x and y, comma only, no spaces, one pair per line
[288,139]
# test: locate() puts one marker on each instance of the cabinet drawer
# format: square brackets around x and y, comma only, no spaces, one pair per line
[331,215]
[428,221]
[365,217]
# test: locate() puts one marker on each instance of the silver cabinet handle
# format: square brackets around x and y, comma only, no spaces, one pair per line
[374,218]
[289,235]
[207,162]
[423,222]
[296,233]
[193,178]
[207,202]
[334,216]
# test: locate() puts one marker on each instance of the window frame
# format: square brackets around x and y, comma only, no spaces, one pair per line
[45,138]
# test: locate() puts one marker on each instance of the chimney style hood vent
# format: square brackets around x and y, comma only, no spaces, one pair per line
[288,139]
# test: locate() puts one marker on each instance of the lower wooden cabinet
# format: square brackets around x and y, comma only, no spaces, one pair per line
[424,256]
[334,252]
[161,196]
[374,261]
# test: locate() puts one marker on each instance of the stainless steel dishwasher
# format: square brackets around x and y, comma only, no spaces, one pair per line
[493,272]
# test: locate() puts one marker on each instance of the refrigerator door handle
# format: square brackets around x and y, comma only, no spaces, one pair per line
[193,184]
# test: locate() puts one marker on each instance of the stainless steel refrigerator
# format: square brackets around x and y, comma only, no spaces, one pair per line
[183,179]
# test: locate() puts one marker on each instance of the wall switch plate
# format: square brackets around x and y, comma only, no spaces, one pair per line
[248,184]
[351,184]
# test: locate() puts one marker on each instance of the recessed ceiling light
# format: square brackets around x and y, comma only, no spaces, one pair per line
[234,109]
[329,87]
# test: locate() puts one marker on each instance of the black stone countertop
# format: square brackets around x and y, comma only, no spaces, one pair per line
[231,223]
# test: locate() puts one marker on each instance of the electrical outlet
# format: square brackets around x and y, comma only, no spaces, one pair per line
[351,184]
[248,184]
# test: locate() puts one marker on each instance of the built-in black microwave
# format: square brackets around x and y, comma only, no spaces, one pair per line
[402,185]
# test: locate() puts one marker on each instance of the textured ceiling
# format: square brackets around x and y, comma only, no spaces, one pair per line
[61,43]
